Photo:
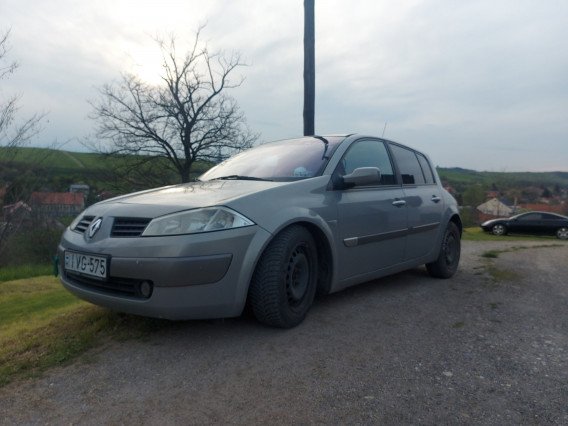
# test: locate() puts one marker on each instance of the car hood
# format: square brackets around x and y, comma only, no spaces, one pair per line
[160,201]
[492,221]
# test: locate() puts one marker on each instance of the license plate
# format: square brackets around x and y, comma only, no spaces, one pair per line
[87,264]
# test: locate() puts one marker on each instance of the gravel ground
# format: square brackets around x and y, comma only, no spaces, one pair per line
[489,346]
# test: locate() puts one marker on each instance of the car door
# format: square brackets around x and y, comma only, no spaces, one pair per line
[529,223]
[551,223]
[423,198]
[371,218]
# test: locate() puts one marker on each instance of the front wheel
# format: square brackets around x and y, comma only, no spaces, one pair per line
[562,233]
[284,282]
[499,230]
[449,258]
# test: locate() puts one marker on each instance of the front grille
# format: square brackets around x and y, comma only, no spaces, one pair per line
[117,286]
[83,224]
[128,226]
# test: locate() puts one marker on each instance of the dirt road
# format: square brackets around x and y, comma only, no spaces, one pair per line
[489,346]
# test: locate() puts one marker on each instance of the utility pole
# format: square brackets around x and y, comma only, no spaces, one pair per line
[309,68]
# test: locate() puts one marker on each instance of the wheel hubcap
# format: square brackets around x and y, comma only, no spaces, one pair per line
[297,276]
[498,229]
[450,247]
[563,233]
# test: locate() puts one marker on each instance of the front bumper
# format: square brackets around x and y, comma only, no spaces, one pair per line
[192,276]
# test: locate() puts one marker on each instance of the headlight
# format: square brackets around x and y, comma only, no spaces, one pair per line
[194,221]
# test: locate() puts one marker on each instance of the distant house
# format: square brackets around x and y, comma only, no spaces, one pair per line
[492,194]
[79,187]
[57,204]
[105,195]
[494,208]
[560,208]
[450,189]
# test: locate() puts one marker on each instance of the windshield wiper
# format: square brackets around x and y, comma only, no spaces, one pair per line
[240,177]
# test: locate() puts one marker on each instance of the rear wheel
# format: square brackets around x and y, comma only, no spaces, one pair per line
[284,282]
[449,258]
[499,229]
[562,233]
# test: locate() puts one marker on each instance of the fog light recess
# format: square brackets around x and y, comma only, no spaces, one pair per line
[146,288]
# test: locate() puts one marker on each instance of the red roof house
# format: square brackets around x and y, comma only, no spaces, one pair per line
[561,208]
[58,204]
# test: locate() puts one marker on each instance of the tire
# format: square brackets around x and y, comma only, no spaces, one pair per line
[562,233]
[449,258]
[499,230]
[285,279]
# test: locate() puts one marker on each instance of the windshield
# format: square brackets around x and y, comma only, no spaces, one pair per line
[285,160]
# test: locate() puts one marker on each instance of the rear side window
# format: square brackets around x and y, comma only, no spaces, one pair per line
[547,216]
[426,169]
[408,165]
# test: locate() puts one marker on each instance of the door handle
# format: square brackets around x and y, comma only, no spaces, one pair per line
[398,203]
[436,199]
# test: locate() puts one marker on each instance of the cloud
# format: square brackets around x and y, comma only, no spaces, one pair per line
[457,79]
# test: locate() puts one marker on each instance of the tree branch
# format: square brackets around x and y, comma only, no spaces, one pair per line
[184,118]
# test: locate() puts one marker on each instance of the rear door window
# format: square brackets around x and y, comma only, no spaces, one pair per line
[408,165]
[426,169]
[547,216]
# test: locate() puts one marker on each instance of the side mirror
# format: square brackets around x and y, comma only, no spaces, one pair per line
[362,176]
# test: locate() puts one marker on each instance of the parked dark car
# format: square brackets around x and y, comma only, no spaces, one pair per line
[532,223]
[271,226]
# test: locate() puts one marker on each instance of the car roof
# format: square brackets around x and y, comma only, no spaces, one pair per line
[340,137]
[539,211]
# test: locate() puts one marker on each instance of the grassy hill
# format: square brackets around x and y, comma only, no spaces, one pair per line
[459,177]
[53,158]
[55,170]
[60,168]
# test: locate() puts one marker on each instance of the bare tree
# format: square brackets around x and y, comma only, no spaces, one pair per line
[188,117]
[14,133]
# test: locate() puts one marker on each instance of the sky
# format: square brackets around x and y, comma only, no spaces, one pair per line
[475,84]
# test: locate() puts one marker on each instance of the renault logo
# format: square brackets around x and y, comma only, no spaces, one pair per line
[95,226]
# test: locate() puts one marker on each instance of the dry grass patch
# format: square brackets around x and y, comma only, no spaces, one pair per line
[43,325]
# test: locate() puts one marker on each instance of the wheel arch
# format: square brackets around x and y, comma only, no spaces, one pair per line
[322,235]
[451,216]
[325,257]
[458,222]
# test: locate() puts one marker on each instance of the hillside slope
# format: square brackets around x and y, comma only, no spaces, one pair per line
[59,168]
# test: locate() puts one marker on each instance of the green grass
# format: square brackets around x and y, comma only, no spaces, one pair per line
[491,254]
[500,275]
[57,158]
[42,325]
[31,300]
[56,170]
[10,273]
[78,161]
[463,178]
[475,233]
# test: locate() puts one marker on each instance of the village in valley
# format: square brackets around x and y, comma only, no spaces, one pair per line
[56,191]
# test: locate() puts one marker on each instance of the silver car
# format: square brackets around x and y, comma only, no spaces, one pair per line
[270,227]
